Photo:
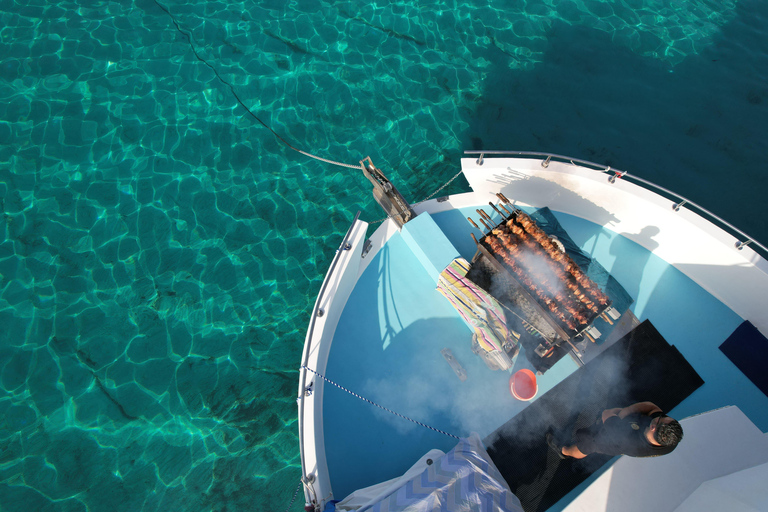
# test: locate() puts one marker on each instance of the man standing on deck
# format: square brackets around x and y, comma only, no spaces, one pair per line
[640,430]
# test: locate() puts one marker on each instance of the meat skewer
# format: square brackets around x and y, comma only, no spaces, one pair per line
[545,293]
[502,207]
[529,227]
[543,268]
[497,210]
[485,216]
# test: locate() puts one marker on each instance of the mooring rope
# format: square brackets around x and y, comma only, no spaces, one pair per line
[326,379]
[188,36]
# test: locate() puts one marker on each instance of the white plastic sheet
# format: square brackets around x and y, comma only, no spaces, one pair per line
[464,479]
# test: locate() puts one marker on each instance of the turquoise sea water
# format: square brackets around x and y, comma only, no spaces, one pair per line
[160,250]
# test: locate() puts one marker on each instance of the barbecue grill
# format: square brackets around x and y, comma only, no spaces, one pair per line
[543,290]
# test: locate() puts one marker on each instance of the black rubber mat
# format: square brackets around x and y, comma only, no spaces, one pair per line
[747,348]
[639,367]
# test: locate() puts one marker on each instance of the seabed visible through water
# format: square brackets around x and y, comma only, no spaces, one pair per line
[160,250]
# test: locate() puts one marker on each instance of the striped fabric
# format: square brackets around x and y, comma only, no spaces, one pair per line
[478,309]
[463,480]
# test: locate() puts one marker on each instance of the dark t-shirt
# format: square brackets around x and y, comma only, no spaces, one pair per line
[626,436]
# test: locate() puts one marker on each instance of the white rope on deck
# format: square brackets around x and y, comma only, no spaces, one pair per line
[326,379]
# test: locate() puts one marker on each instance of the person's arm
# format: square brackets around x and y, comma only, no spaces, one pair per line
[609,413]
[646,408]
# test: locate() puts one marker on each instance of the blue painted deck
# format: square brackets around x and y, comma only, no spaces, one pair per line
[389,338]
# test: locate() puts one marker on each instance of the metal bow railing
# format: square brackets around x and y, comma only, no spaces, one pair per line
[679,201]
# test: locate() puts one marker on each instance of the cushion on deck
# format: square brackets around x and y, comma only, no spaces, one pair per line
[477,307]
[747,348]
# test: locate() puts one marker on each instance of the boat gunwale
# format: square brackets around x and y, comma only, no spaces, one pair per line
[619,174]
[331,283]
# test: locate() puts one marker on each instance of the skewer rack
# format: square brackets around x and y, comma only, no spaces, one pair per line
[554,330]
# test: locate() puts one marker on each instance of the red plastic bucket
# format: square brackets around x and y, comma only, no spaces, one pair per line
[522,385]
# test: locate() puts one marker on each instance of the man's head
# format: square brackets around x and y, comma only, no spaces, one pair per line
[666,431]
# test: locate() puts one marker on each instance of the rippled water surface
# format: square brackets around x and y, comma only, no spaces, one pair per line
[160,250]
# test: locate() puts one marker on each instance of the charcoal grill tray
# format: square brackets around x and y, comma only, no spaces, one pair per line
[519,288]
